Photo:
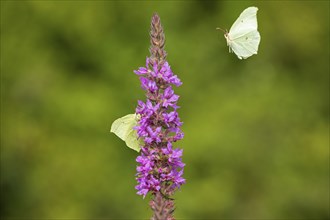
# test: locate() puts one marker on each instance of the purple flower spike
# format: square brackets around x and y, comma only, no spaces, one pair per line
[160,167]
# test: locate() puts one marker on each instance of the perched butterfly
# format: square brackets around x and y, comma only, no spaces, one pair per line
[243,37]
[123,128]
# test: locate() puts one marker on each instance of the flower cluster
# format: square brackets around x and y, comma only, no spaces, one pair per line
[160,167]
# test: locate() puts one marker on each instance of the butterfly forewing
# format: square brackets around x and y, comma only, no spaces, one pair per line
[122,126]
[246,22]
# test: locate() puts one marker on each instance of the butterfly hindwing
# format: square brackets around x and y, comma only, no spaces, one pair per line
[246,45]
[133,141]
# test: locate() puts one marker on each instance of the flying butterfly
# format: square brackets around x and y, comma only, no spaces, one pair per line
[243,37]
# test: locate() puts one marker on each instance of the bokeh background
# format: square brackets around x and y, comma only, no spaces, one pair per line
[256,131]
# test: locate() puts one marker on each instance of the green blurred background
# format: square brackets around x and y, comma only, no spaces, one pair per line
[256,131]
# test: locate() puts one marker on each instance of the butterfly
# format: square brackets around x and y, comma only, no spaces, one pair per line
[123,128]
[243,37]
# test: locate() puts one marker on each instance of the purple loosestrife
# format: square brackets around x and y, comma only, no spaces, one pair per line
[160,167]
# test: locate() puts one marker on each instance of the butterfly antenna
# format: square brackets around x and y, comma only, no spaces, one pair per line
[221,29]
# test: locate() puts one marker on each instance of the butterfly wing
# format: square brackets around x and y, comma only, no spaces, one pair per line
[122,126]
[246,45]
[133,142]
[246,22]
